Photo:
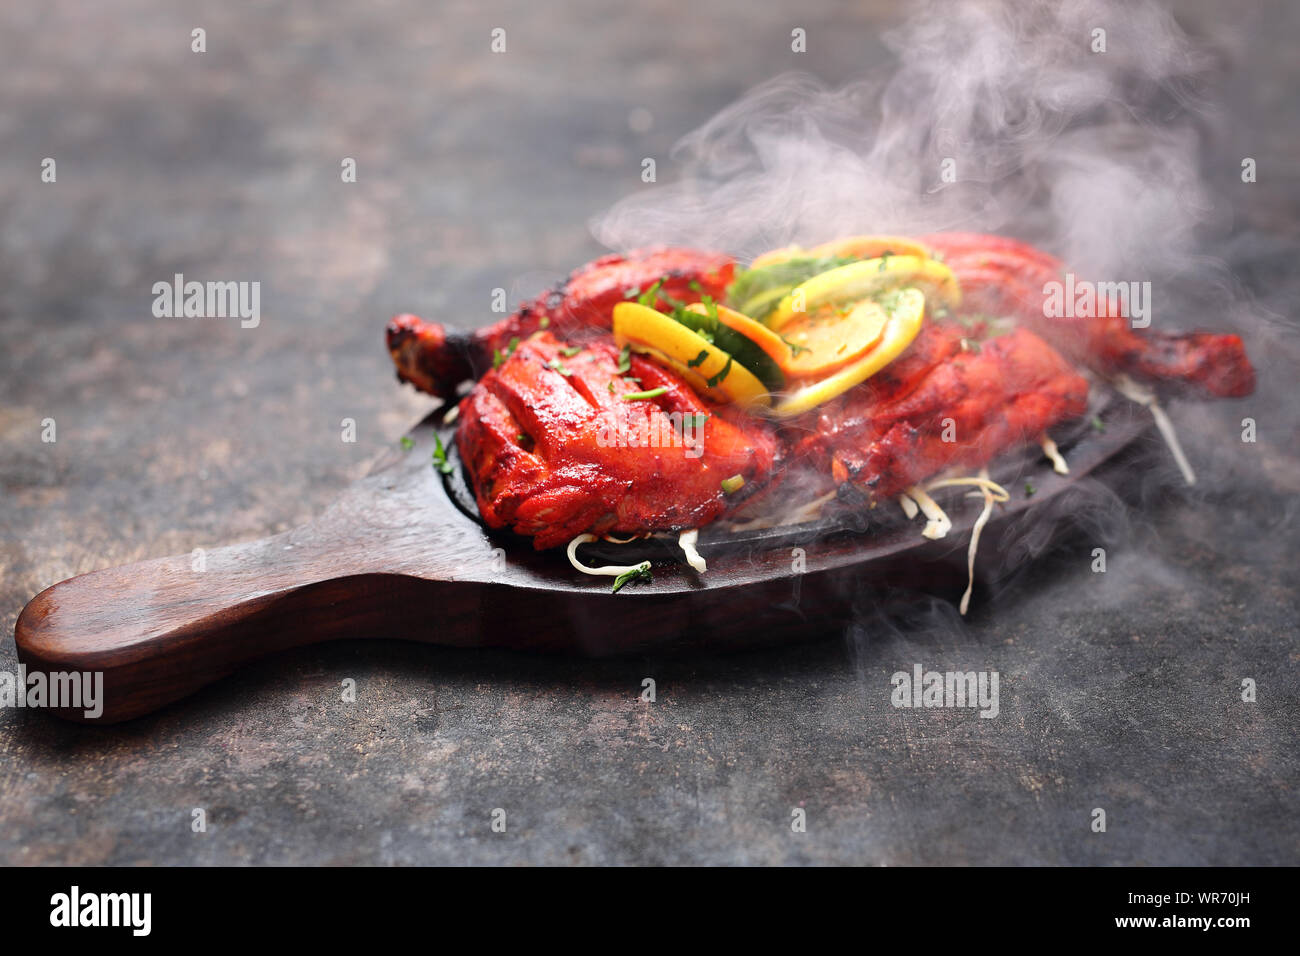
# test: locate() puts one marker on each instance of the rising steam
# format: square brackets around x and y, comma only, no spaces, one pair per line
[1094,156]
[1091,154]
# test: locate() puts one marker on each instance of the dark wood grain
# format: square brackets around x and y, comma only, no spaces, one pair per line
[395,557]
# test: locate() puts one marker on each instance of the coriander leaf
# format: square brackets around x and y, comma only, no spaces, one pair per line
[756,292]
[648,393]
[639,573]
[726,370]
[795,349]
[651,295]
[499,357]
[440,456]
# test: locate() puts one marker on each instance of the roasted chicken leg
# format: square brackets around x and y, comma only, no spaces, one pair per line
[436,361]
[566,434]
[949,401]
[1002,276]
[559,442]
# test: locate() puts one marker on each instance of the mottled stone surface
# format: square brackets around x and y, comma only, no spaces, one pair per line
[1119,691]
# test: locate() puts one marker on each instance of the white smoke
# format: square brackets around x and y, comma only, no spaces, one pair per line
[1092,154]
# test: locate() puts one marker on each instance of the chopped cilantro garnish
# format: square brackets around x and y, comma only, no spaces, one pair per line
[795,349]
[625,360]
[571,351]
[889,299]
[558,366]
[1029,490]
[440,456]
[726,370]
[407,444]
[648,393]
[650,296]
[1097,424]
[639,573]
[756,292]
[499,357]
[699,359]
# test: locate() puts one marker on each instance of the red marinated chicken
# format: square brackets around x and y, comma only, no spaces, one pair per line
[943,404]
[559,444]
[1004,276]
[434,361]
[560,440]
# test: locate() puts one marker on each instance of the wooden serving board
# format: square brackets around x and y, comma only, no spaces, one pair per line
[402,555]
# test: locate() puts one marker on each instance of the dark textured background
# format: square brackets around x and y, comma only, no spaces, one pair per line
[1119,690]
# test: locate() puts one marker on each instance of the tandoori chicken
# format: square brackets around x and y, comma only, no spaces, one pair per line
[1001,276]
[559,441]
[436,361]
[662,390]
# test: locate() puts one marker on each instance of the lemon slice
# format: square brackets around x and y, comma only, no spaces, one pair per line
[706,368]
[901,328]
[862,280]
[831,338]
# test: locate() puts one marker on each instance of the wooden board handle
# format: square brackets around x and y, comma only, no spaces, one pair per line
[159,630]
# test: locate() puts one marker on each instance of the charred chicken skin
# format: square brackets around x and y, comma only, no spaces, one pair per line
[436,361]
[565,434]
[559,442]
[1002,276]
[945,405]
